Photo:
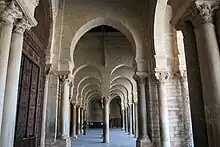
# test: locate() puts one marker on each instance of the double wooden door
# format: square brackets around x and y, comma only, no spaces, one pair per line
[30,99]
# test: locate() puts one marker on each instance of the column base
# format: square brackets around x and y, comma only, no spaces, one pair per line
[63,143]
[74,136]
[143,142]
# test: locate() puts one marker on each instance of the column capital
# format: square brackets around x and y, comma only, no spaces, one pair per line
[65,79]
[161,77]
[22,25]
[200,12]
[141,79]
[9,12]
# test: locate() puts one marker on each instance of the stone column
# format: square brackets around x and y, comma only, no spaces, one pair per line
[130,119]
[126,119]
[186,114]
[44,115]
[106,121]
[78,125]
[195,85]
[163,109]
[11,88]
[81,120]
[74,122]
[7,18]
[136,121]
[142,139]
[84,115]
[209,61]
[65,110]
[123,120]
[133,119]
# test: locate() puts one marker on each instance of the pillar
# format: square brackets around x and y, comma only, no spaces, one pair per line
[66,110]
[195,85]
[7,19]
[123,119]
[209,61]
[186,114]
[130,119]
[74,122]
[142,139]
[81,120]
[126,119]
[44,115]
[163,109]
[134,120]
[106,121]
[78,121]
[11,88]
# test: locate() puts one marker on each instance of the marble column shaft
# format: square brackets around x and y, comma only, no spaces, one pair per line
[126,119]
[133,119]
[136,120]
[11,88]
[142,139]
[130,119]
[66,111]
[163,109]
[123,120]
[81,120]
[44,115]
[209,61]
[78,121]
[106,136]
[7,19]
[74,121]
[195,85]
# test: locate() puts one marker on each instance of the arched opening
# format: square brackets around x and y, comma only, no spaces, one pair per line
[95,117]
[115,118]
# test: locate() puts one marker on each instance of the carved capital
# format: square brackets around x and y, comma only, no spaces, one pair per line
[140,79]
[161,77]
[64,79]
[21,26]
[9,12]
[200,12]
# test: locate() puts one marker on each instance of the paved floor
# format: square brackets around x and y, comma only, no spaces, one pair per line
[93,139]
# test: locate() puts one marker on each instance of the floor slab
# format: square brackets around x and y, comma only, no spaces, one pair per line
[93,139]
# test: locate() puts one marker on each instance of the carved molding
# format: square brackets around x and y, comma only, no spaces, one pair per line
[9,12]
[162,77]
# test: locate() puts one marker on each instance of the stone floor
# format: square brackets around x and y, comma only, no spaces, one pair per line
[93,139]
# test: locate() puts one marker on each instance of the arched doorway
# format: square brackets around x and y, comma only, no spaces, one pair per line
[115,117]
[31,82]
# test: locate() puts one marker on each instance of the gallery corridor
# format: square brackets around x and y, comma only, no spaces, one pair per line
[93,139]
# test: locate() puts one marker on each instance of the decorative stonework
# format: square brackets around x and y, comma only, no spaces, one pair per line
[141,79]
[161,77]
[21,26]
[199,13]
[9,12]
